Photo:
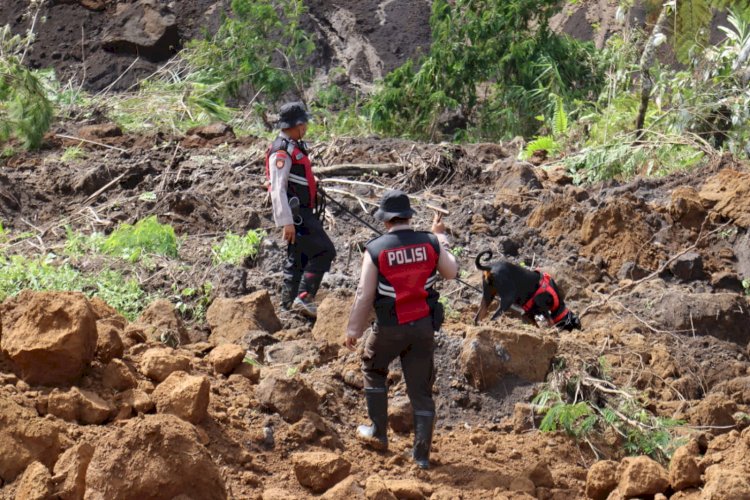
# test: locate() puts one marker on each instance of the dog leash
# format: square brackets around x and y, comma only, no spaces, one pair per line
[380,233]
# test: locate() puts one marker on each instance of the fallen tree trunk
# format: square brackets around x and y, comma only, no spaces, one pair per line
[358,169]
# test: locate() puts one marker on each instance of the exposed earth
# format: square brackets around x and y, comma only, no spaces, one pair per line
[654,267]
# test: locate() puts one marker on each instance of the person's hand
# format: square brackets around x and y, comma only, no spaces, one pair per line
[350,342]
[437,224]
[290,234]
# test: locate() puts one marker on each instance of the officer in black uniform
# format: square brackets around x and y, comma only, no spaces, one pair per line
[294,195]
[399,271]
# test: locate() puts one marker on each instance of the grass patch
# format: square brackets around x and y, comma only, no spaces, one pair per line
[73,154]
[19,273]
[235,249]
[147,236]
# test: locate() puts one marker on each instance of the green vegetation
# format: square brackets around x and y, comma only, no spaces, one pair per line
[147,236]
[235,249]
[193,303]
[44,273]
[73,154]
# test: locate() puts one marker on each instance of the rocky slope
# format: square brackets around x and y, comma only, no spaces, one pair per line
[654,266]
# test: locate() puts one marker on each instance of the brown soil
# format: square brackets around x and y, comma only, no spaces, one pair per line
[483,447]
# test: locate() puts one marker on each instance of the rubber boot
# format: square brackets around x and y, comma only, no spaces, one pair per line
[424,423]
[376,435]
[305,301]
[289,290]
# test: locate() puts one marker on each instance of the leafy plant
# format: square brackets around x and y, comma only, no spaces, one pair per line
[25,110]
[235,249]
[193,303]
[746,286]
[541,143]
[72,154]
[146,236]
[78,244]
[457,251]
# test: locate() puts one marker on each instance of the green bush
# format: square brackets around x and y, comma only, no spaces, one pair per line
[146,236]
[235,249]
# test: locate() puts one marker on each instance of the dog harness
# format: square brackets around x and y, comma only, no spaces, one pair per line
[301,179]
[407,271]
[545,286]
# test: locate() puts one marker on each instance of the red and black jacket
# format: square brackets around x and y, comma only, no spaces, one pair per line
[407,271]
[301,179]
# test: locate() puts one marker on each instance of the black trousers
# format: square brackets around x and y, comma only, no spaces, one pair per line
[313,251]
[414,343]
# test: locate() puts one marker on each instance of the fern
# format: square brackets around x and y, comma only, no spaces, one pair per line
[541,143]
[559,118]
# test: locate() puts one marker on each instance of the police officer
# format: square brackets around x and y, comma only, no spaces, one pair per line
[294,194]
[399,270]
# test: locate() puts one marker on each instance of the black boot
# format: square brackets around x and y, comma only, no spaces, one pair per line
[305,301]
[376,435]
[289,289]
[423,424]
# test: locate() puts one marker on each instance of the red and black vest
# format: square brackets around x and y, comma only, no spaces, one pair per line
[301,179]
[407,271]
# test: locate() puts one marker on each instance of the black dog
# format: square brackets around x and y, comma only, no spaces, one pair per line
[534,292]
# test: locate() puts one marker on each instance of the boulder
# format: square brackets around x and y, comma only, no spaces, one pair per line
[726,485]
[70,472]
[376,489]
[136,401]
[348,488]
[26,438]
[722,315]
[163,324]
[641,476]
[118,376]
[35,484]
[684,472]
[256,342]
[319,470]
[50,337]
[158,363]
[226,357]
[79,406]
[728,193]
[400,416]
[541,475]
[686,207]
[300,352]
[737,389]
[108,340]
[333,316]
[170,462]
[311,428]
[489,354]
[688,267]
[147,28]
[601,479]
[715,410]
[184,395]
[289,397]
[230,319]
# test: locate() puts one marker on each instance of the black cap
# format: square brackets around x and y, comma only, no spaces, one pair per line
[292,114]
[394,204]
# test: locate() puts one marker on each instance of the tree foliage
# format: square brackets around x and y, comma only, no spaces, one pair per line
[25,110]
[498,53]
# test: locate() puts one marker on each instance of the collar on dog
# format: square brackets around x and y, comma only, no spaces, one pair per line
[546,287]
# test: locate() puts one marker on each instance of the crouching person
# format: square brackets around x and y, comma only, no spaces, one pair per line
[399,271]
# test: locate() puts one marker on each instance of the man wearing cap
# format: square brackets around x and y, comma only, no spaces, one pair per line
[293,195]
[399,271]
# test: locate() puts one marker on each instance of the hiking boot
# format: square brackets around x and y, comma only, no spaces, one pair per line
[423,425]
[289,290]
[376,435]
[305,306]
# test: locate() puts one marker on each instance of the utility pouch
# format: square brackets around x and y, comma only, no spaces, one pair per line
[438,316]
[294,206]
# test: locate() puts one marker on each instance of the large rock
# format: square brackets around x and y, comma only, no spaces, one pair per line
[158,363]
[163,324]
[688,267]
[301,352]
[491,353]
[319,470]
[81,406]
[333,316]
[686,207]
[348,489]
[684,472]
[231,319]
[145,27]
[289,397]
[108,339]
[400,415]
[226,357]
[728,193]
[35,484]
[601,479]
[157,456]
[70,472]
[409,489]
[184,395]
[641,476]
[26,438]
[50,337]
[376,489]
[722,315]
[715,410]
[726,485]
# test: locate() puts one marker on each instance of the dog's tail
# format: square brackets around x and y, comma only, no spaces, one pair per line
[481,257]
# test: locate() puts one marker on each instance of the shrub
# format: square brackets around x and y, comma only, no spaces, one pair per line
[235,249]
[146,236]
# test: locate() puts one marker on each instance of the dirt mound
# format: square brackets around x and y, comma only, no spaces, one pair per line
[171,462]
[50,337]
[728,193]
